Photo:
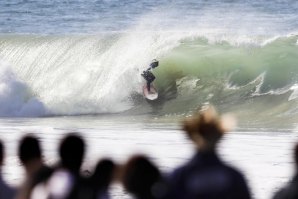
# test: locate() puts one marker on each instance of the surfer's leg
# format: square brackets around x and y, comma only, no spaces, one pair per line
[148,86]
[150,78]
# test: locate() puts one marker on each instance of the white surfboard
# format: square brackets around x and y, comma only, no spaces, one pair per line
[152,95]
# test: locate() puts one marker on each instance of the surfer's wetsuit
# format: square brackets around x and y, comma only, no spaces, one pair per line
[148,75]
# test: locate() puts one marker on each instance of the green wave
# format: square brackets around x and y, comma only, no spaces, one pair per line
[277,60]
[254,81]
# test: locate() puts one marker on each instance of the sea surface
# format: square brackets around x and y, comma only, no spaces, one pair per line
[75,65]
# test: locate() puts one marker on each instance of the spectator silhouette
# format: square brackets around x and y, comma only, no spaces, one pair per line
[205,176]
[101,179]
[30,155]
[290,191]
[6,192]
[65,182]
[72,151]
[142,179]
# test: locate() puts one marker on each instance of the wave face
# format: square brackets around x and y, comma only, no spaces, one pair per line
[95,74]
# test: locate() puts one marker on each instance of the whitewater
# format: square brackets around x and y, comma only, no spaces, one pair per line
[75,66]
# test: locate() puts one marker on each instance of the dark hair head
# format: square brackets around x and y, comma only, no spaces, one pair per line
[1,153]
[103,174]
[154,63]
[29,149]
[140,175]
[71,151]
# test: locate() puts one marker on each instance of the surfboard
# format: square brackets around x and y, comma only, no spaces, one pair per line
[152,95]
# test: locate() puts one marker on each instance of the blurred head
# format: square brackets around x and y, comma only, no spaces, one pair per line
[1,153]
[103,174]
[71,151]
[140,176]
[29,149]
[205,128]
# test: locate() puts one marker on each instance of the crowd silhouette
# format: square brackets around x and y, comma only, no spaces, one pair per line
[204,176]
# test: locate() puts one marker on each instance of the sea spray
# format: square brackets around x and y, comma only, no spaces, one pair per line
[16,98]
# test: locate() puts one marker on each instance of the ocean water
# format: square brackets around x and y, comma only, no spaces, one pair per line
[76,65]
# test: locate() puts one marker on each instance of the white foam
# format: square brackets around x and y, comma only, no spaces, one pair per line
[15,98]
[80,75]
[294,94]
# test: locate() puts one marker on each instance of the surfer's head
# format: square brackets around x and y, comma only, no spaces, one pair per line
[154,63]
[205,128]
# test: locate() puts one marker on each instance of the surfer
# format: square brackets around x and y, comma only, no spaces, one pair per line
[148,75]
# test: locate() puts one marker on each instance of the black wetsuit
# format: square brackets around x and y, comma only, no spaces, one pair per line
[148,75]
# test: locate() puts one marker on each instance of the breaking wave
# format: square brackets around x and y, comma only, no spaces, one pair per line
[255,76]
